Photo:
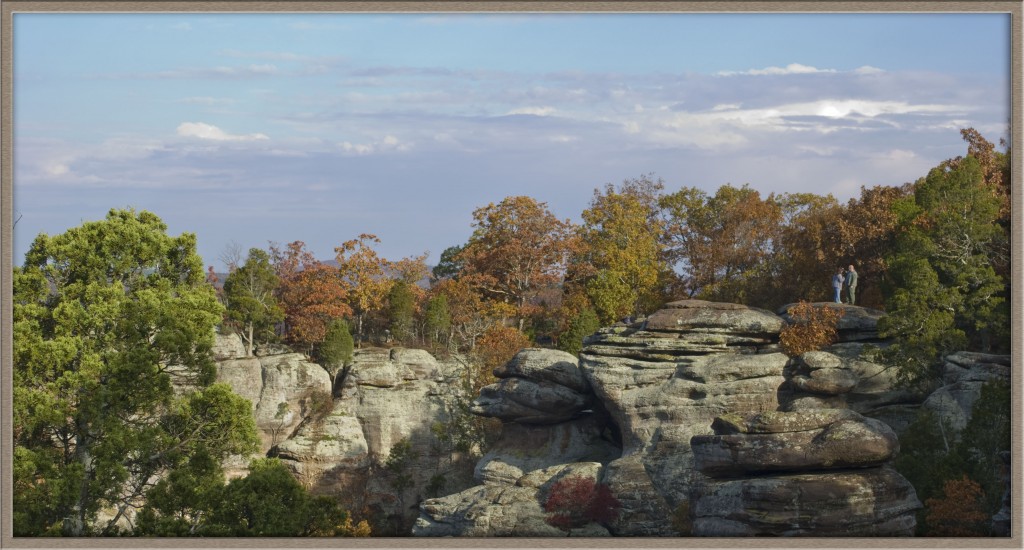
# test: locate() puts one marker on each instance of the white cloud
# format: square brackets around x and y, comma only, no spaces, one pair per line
[730,125]
[900,155]
[868,69]
[387,143]
[792,68]
[535,111]
[201,130]
[56,169]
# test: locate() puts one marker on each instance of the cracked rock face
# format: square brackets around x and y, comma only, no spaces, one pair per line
[664,381]
[798,473]
[873,502]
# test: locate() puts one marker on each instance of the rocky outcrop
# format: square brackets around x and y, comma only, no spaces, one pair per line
[963,376]
[538,386]
[693,412]
[876,502]
[527,448]
[503,509]
[663,381]
[875,392]
[389,396]
[545,437]
[281,388]
[816,473]
[337,445]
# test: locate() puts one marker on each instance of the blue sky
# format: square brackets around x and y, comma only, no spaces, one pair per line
[277,127]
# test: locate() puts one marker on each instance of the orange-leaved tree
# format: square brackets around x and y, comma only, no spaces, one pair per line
[367,276]
[497,346]
[311,293]
[518,248]
[960,513]
[719,242]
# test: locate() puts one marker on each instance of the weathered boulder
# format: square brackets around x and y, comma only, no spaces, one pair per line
[964,375]
[227,346]
[546,365]
[875,502]
[820,473]
[329,454]
[290,383]
[389,396]
[701,316]
[537,386]
[877,393]
[777,444]
[821,374]
[503,510]
[551,430]
[281,389]
[528,402]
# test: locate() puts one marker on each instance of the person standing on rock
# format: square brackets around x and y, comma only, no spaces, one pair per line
[837,284]
[851,285]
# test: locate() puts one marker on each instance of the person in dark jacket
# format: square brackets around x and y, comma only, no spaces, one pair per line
[837,284]
[850,283]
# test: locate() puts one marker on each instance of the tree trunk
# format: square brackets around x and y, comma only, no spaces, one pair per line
[359,330]
[74,524]
[248,345]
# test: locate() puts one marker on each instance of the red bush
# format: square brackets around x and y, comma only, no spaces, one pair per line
[576,501]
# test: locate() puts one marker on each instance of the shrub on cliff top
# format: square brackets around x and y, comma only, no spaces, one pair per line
[810,328]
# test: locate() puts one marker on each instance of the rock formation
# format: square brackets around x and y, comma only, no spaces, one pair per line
[692,413]
[552,429]
[964,374]
[816,472]
[338,446]
[663,381]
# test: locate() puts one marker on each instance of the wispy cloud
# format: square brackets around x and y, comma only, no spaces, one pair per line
[219,72]
[265,55]
[792,68]
[868,69]
[388,143]
[535,111]
[201,130]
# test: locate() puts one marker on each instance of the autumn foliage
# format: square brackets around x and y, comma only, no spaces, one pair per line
[518,248]
[575,501]
[497,346]
[960,513]
[811,328]
[311,293]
